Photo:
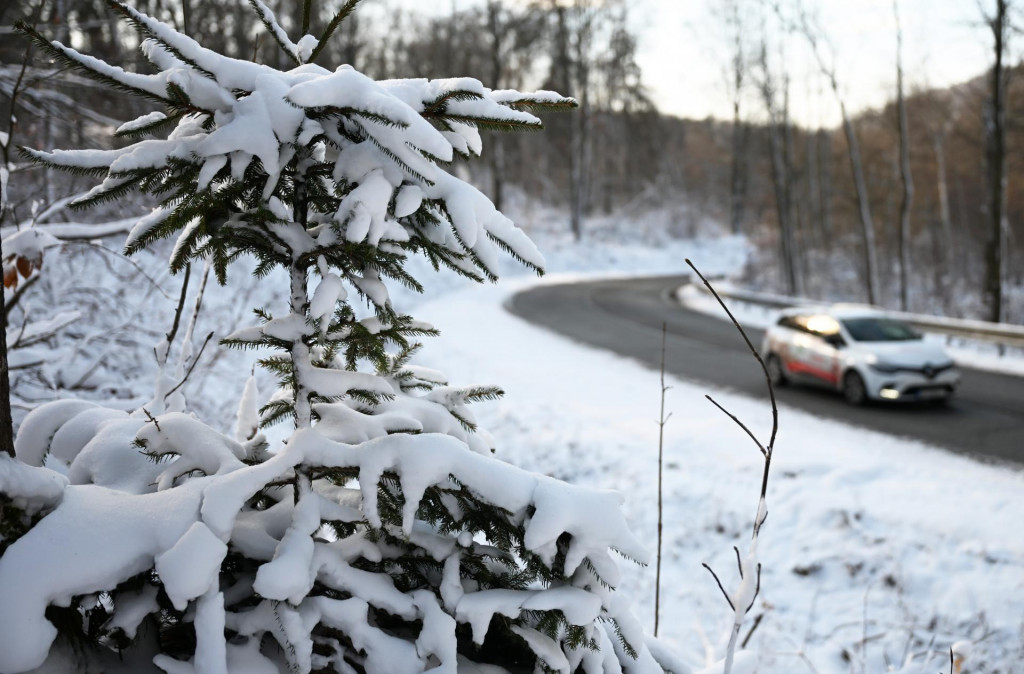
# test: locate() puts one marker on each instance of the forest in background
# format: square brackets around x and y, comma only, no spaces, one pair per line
[790,189]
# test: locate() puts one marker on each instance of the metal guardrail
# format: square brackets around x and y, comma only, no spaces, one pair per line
[1002,334]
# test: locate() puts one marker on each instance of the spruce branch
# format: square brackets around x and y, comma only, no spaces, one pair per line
[268,23]
[71,59]
[336,20]
[147,27]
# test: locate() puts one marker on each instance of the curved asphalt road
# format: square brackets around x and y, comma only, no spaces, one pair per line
[985,419]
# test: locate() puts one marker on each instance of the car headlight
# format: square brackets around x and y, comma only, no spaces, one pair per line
[882,366]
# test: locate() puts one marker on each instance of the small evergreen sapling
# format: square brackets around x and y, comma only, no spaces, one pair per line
[382,536]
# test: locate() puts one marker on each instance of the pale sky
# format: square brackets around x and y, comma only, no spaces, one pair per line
[684,53]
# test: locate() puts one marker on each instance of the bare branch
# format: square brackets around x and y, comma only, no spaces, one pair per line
[764,368]
[177,312]
[18,292]
[191,367]
[123,258]
[720,587]
[151,418]
[757,589]
[750,633]
[739,423]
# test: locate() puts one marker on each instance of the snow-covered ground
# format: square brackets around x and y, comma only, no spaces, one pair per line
[875,548]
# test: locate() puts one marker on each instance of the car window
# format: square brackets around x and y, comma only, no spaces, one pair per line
[875,329]
[822,325]
[789,322]
[819,325]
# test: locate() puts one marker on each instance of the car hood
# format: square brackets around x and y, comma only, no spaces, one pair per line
[910,354]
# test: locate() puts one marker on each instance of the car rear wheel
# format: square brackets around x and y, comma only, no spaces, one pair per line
[776,374]
[854,390]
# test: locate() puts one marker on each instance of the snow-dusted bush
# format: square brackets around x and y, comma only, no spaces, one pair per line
[382,536]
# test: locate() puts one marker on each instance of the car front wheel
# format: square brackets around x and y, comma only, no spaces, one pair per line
[775,372]
[854,390]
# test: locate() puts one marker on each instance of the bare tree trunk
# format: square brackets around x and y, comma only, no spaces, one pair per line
[793,226]
[945,218]
[813,193]
[825,184]
[905,176]
[780,179]
[566,73]
[496,29]
[740,131]
[498,171]
[995,154]
[863,208]
[579,180]
[575,175]
[856,165]
[740,168]
[6,423]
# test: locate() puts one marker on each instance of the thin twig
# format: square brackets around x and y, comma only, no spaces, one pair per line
[187,341]
[767,378]
[661,446]
[757,622]
[18,292]
[151,418]
[757,590]
[720,587]
[123,258]
[177,312]
[740,424]
[191,367]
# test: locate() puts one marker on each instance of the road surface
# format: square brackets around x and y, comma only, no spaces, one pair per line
[985,419]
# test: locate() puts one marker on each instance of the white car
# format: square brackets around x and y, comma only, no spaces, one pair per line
[860,352]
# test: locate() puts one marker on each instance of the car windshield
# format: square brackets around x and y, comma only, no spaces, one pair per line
[872,329]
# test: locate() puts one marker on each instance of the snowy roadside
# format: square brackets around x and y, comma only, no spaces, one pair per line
[874,547]
[969,353]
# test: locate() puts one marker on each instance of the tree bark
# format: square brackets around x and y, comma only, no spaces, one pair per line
[867,225]
[825,184]
[779,153]
[995,153]
[740,131]
[6,423]
[906,177]
[496,28]
[942,186]
[856,166]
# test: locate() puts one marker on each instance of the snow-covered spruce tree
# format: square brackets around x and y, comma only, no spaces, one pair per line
[382,536]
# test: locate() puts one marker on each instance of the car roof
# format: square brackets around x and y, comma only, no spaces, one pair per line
[836,311]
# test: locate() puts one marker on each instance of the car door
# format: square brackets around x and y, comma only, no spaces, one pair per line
[824,359]
[815,352]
